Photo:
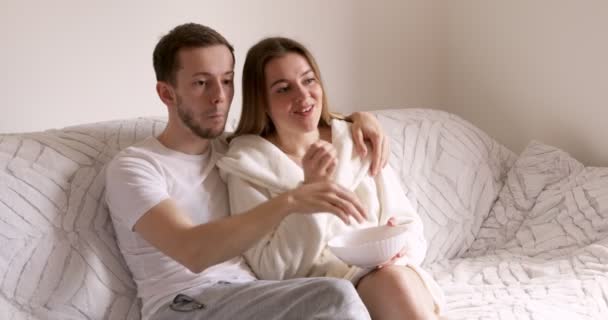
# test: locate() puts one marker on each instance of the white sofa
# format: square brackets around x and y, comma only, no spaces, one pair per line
[509,237]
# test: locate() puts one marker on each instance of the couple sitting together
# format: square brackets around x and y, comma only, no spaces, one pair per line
[187,207]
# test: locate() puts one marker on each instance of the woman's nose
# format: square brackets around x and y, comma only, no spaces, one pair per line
[301,93]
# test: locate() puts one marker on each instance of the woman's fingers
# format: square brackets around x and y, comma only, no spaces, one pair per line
[342,201]
[353,201]
[325,162]
[342,206]
[311,153]
[393,259]
[322,149]
[319,161]
[331,169]
[388,263]
[393,222]
[403,252]
[336,210]
[329,197]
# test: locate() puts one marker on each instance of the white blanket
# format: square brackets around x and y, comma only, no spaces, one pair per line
[543,251]
[257,170]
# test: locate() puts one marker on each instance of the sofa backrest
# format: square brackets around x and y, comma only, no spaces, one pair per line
[450,170]
[58,255]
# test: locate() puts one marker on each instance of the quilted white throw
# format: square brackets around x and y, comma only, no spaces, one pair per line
[543,251]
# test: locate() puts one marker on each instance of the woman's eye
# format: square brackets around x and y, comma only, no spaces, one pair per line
[282,89]
[228,81]
[200,82]
[309,80]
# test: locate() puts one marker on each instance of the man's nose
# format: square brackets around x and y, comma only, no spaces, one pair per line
[219,93]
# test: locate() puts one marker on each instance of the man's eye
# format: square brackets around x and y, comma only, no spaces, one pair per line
[200,82]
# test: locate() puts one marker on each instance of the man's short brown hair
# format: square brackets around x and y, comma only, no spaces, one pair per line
[188,35]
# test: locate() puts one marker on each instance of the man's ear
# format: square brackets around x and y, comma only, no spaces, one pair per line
[166,93]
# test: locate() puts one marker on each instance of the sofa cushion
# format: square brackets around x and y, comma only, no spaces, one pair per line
[58,255]
[551,204]
[450,170]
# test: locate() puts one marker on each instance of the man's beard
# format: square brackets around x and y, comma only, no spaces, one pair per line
[188,120]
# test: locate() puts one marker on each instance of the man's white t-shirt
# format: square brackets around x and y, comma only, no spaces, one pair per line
[142,176]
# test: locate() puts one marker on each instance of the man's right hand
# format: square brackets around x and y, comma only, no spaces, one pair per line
[326,196]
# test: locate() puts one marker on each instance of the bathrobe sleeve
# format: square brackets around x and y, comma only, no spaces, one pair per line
[290,250]
[395,204]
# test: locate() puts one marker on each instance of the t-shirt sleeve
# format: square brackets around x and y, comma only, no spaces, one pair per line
[133,186]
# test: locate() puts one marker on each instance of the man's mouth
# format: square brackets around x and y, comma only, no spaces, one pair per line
[215,115]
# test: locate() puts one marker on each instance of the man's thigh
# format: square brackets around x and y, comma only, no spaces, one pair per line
[310,298]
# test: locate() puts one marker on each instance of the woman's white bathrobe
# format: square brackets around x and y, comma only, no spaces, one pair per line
[256,170]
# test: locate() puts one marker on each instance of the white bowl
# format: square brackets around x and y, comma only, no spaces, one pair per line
[369,247]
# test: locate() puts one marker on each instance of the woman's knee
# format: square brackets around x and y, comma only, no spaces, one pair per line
[387,278]
[393,276]
[397,282]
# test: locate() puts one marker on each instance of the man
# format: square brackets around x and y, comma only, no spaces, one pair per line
[170,209]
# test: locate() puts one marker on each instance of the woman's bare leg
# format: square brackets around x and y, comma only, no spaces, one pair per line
[396,292]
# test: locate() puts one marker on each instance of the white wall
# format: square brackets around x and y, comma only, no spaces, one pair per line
[66,62]
[518,69]
[525,70]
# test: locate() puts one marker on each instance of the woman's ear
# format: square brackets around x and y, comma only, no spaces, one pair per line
[166,93]
[267,110]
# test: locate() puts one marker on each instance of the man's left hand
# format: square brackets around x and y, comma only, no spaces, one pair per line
[366,127]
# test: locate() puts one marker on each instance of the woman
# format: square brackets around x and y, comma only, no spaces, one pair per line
[287,136]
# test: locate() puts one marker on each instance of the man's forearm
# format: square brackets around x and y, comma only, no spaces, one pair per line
[224,239]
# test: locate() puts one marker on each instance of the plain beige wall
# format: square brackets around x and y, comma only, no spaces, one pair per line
[525,70]
[519,69]
[67,62]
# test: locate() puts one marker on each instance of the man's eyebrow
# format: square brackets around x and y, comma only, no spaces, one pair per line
[202,73]
[283,80]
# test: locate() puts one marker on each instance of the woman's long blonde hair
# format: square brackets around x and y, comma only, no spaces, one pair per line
[254,119]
